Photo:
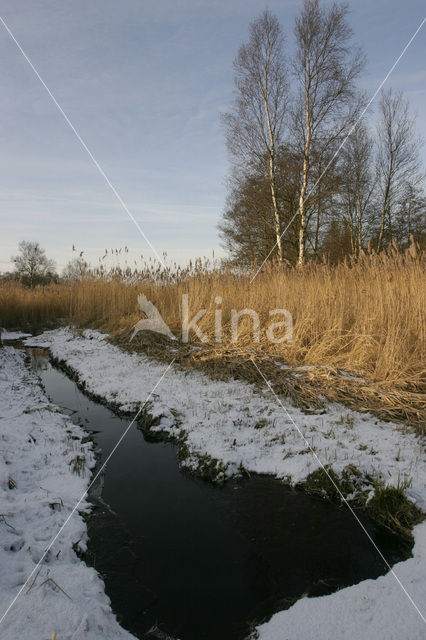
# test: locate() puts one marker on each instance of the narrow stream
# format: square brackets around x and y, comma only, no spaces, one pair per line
[202,562]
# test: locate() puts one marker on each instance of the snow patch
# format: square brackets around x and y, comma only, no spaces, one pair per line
[38,490]
[13,335]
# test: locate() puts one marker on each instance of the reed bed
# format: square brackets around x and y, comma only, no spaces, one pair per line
[363,316]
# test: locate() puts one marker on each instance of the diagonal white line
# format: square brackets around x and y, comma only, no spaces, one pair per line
[344,141]
[83,144]
[340,493]
[52,542]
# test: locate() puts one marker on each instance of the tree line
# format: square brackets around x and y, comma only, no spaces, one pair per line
[32,267]
[310,174]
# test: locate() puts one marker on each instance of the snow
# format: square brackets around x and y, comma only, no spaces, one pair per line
[13,335]
[38,492]
[372,610]
[239,425]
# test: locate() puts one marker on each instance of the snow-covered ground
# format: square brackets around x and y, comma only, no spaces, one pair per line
[372,610]
[38,489]
[13,335]
[239,426]
[236,424]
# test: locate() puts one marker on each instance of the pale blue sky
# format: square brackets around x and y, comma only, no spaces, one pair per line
[144,83]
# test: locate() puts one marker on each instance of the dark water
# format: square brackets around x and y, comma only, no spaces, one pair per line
[198,561]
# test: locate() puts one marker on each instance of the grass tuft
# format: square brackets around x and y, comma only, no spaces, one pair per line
[391,509]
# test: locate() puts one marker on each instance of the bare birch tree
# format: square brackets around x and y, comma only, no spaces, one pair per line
[397,157]
[255,125]
[326,67]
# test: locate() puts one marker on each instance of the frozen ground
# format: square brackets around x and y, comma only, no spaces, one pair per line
[237,425]
[38,448]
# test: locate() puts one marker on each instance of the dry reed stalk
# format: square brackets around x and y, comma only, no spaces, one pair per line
[366,317]
[307,388]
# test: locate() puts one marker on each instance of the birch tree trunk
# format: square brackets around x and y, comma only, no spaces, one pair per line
[326,67]
[302,211]
[254,128]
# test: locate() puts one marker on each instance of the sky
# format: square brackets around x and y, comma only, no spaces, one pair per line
[143,83]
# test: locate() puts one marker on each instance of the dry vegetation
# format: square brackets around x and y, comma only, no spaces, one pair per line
[366,317]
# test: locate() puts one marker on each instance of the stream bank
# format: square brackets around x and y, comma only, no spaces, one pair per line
[199,561]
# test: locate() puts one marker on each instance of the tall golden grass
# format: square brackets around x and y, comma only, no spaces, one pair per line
[365,316]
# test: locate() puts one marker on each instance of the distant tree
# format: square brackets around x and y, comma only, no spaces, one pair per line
[321,207]
[326,67]
[255,125]
[8,276]
[32,266]
[397,158]
[337,242]
[247,228]
[288,186]
[357,185]
[409,220]
[76,269]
